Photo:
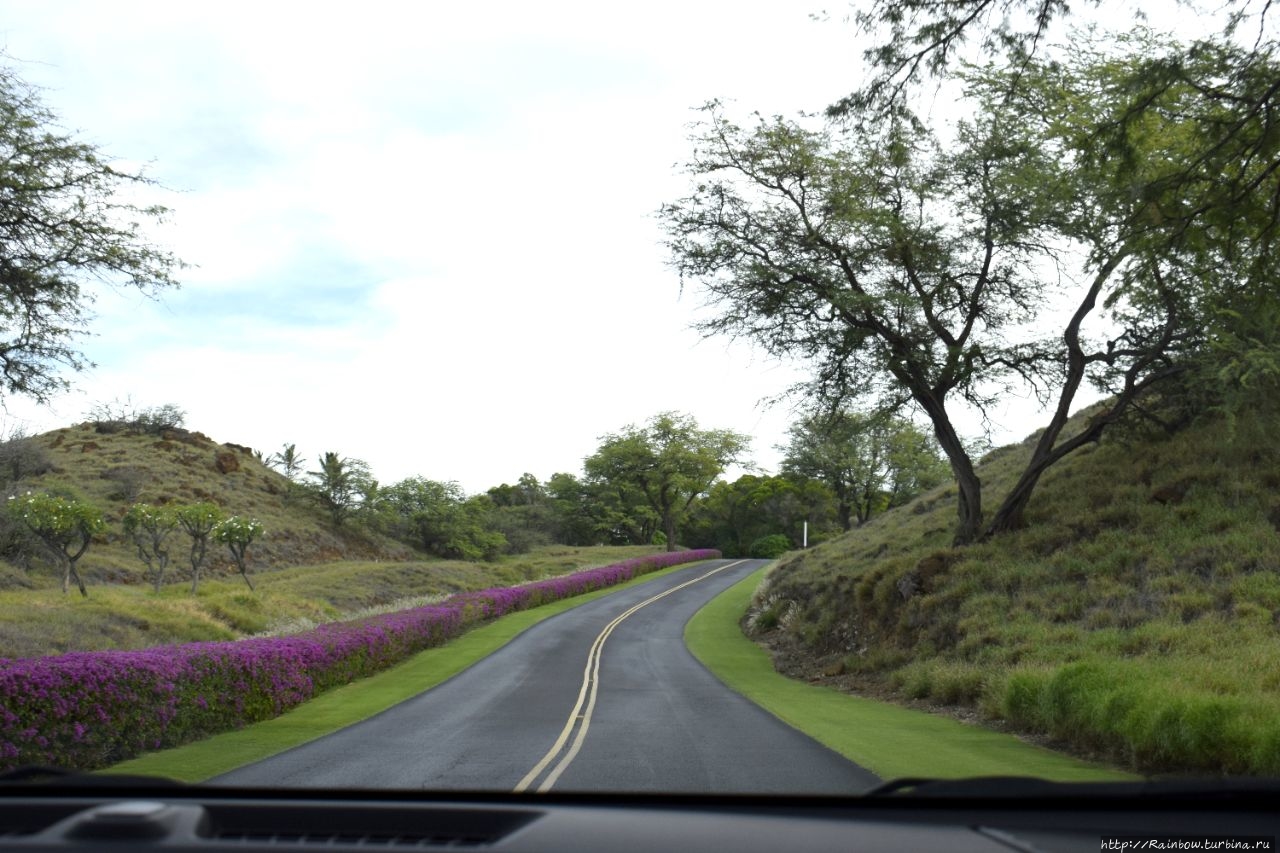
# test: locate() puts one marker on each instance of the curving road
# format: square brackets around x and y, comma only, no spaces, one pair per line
[603,697]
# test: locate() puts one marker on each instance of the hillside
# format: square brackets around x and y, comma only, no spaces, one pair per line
[305,571]
[1134,618]
[115,469]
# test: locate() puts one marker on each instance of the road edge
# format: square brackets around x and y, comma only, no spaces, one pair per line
[889,740]
[352,703]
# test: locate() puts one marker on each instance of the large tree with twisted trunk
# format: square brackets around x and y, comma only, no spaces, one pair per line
[911,270]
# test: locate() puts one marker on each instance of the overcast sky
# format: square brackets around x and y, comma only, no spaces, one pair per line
[422,234]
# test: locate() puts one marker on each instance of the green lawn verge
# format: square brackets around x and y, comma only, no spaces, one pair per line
[197,762]
[888,740]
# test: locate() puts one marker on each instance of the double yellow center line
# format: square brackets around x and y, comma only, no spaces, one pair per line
[580,719]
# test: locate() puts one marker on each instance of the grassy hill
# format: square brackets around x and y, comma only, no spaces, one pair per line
[305,570]
[115,469]
[1135,618]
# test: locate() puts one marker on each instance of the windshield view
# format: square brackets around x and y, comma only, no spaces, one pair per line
[678,398]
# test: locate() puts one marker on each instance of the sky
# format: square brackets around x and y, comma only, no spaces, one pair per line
[423,235]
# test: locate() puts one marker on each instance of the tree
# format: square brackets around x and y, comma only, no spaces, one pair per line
[198,520]
[65,222]
[870,462]
[1221,88]
[914,464]
[575,510]
[891,265]
[149,528]
[287,461]
[669,462]
[65,526]
[441,519]
[909,271]
[238,534]
[1179,217]
[523,513]
[731,516]
[916,39]
[340,484]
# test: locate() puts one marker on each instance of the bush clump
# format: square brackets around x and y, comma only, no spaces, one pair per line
[770,547]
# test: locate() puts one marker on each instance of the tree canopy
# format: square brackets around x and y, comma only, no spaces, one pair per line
[911,267]
[870,462]
[65,223]
[668,462]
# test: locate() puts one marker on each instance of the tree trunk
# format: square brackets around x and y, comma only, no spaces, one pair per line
[669,529]
[1010,514]
[72,573]
[969,506]
[846,516]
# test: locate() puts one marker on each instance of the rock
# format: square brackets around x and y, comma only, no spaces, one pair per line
[921,578]
[1170,494]
[226,461]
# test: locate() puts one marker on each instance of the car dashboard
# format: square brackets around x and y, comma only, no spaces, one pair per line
[162,817]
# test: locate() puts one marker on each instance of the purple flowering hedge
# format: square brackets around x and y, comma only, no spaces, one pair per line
[87,710]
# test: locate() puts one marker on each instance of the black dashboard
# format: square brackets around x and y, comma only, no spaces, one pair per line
[162,817]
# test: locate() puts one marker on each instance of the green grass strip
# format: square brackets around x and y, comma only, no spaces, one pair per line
[351,703]
[888,740]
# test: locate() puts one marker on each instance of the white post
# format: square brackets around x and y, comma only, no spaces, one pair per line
[806,535]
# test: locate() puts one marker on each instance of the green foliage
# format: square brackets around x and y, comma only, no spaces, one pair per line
[663,466]
[149,528]
[37,620]
[341,484]
[905,268]
[578,511]
[439,518]
[732,515]
[287,461]
[1131,618]
[770,547]
[238,534]
[64,525]
[198,520]
[869,461]
[65,219]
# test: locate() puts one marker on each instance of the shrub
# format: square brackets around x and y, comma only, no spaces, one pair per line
[90,709]
[22,457]
[770,547]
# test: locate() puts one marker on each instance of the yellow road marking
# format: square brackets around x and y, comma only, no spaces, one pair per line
[587,694]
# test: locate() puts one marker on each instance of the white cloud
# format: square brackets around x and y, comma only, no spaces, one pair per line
[423,232]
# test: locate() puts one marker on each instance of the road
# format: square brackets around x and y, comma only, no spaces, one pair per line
[602,697]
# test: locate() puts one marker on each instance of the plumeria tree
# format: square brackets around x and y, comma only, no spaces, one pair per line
[65,526]
[198,520]
[237,534]
[149,528]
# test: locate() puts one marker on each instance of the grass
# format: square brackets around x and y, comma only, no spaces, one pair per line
[43,621]
[114,470]
[352,703]
[888,740]
[1135,617]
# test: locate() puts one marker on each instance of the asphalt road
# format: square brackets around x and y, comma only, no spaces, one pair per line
[583,701]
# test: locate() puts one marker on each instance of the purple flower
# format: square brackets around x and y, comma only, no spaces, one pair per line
[76,708]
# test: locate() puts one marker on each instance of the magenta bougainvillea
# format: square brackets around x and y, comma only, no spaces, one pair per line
[87,710]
